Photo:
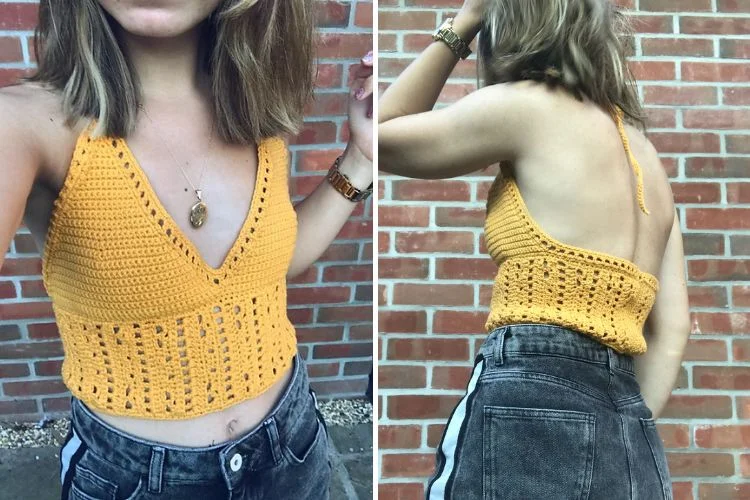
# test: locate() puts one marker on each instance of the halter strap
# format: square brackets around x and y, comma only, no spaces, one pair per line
[619,114]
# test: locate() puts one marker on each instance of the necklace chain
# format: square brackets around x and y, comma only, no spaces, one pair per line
[199,211]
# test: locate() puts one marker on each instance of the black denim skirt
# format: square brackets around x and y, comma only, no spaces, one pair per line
[550,414]
[284,457]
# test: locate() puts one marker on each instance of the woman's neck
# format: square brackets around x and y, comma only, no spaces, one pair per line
[168,68]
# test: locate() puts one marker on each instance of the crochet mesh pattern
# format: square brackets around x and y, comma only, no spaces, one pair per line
[542,280]
[148,328]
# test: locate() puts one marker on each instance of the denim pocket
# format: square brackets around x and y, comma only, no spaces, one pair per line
[537,453]
[96,479]
[300,444]
[657,452]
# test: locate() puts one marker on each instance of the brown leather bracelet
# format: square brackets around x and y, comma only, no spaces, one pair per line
[343,185]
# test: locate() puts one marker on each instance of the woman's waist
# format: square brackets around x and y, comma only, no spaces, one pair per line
[126,446]
[214,428]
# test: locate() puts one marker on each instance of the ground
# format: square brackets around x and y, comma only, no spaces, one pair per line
[29,464]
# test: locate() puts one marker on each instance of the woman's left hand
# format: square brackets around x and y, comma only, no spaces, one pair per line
[360,107]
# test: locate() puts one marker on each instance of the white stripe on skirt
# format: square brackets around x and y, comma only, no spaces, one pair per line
[450,438]
[67,453]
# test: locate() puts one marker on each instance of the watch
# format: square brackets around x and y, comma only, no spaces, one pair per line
[342,184]
[457,45]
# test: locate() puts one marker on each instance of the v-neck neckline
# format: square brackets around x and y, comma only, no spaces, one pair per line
[159,212]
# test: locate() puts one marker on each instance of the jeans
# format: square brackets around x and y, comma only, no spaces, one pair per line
[284,457]
[550,413]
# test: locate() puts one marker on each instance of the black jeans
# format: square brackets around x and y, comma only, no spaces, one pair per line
[550,413]
[285,457]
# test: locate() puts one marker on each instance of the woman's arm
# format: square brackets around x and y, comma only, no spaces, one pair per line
[668,328]
[483,128]
[323,213]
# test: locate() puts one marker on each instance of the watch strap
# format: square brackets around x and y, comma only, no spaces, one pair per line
[343,185]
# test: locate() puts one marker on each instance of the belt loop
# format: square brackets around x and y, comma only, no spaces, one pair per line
[273,439]
[497,352]
[155,469]
[611,360]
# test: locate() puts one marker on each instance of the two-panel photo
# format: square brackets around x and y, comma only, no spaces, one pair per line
[374,249]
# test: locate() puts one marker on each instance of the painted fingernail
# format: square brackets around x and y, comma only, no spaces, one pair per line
[369,114]
[368,57]
[359,93]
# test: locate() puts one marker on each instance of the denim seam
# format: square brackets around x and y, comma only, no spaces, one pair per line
[556,355]
[490,376]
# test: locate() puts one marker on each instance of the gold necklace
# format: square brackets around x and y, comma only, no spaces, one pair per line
[199,210]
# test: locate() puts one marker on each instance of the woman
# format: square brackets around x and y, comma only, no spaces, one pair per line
[581,222]
[149,160]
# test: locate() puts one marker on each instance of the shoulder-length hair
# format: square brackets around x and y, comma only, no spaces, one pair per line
[258,53]
[572,43]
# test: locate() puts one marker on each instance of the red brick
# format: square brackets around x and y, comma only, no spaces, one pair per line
[33,388]
[407,464]
[716,119]
[714,25]
[459,217]
[675,5]
[323,294]
[696,192]
[450,377]
[400,491]
[722,377]
[717,167]
[59,405]
[700,464]
[344,45]
[725,491]
[446,321]
[683,142]
[465,269]
[706,350]
[434,242]
[734,49]
[308,334]
[10,49]
[426,294]
[18,16]
[738,192]
[11,370]
[741,350]
[726,323]
[412,19]
[421,407]
[725,436]
[688,406]
[417,349]
[707,296]
[402,268]
[401,377]
[347,350]
[403,216]
[399,436]
[717,218]
[697,47]
[715,72]
[402,321]
[674,435]
[693,96]
[17,407]
[429,190]
[331,14]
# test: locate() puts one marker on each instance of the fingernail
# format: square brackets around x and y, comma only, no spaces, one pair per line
[368,57]
[369,114]
[359,93]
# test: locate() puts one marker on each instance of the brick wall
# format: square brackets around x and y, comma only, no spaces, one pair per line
[331,303]
[691,59]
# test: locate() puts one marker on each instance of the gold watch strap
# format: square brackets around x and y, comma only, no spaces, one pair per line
[342,184]
[457,44]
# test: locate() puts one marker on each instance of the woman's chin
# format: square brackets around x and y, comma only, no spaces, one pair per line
[157,23]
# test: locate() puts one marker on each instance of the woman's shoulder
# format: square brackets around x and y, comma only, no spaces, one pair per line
[34,113]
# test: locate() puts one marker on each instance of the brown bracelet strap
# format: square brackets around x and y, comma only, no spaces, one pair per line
[341,183]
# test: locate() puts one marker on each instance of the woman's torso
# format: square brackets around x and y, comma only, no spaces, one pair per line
[577,185]
[228,182]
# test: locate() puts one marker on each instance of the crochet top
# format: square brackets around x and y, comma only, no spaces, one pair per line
[542,280]
[148,328]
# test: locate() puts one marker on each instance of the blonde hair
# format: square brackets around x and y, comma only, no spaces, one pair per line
[257,53]
[568,43]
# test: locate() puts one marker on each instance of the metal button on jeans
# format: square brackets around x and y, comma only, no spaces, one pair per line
[235,462]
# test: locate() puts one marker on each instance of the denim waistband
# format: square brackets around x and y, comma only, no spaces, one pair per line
[551,340]
[259,448]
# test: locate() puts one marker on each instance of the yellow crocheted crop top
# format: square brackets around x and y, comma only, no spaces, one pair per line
[148,328]
[542,280]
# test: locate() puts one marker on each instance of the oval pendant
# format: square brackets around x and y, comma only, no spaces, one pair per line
[198,214]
